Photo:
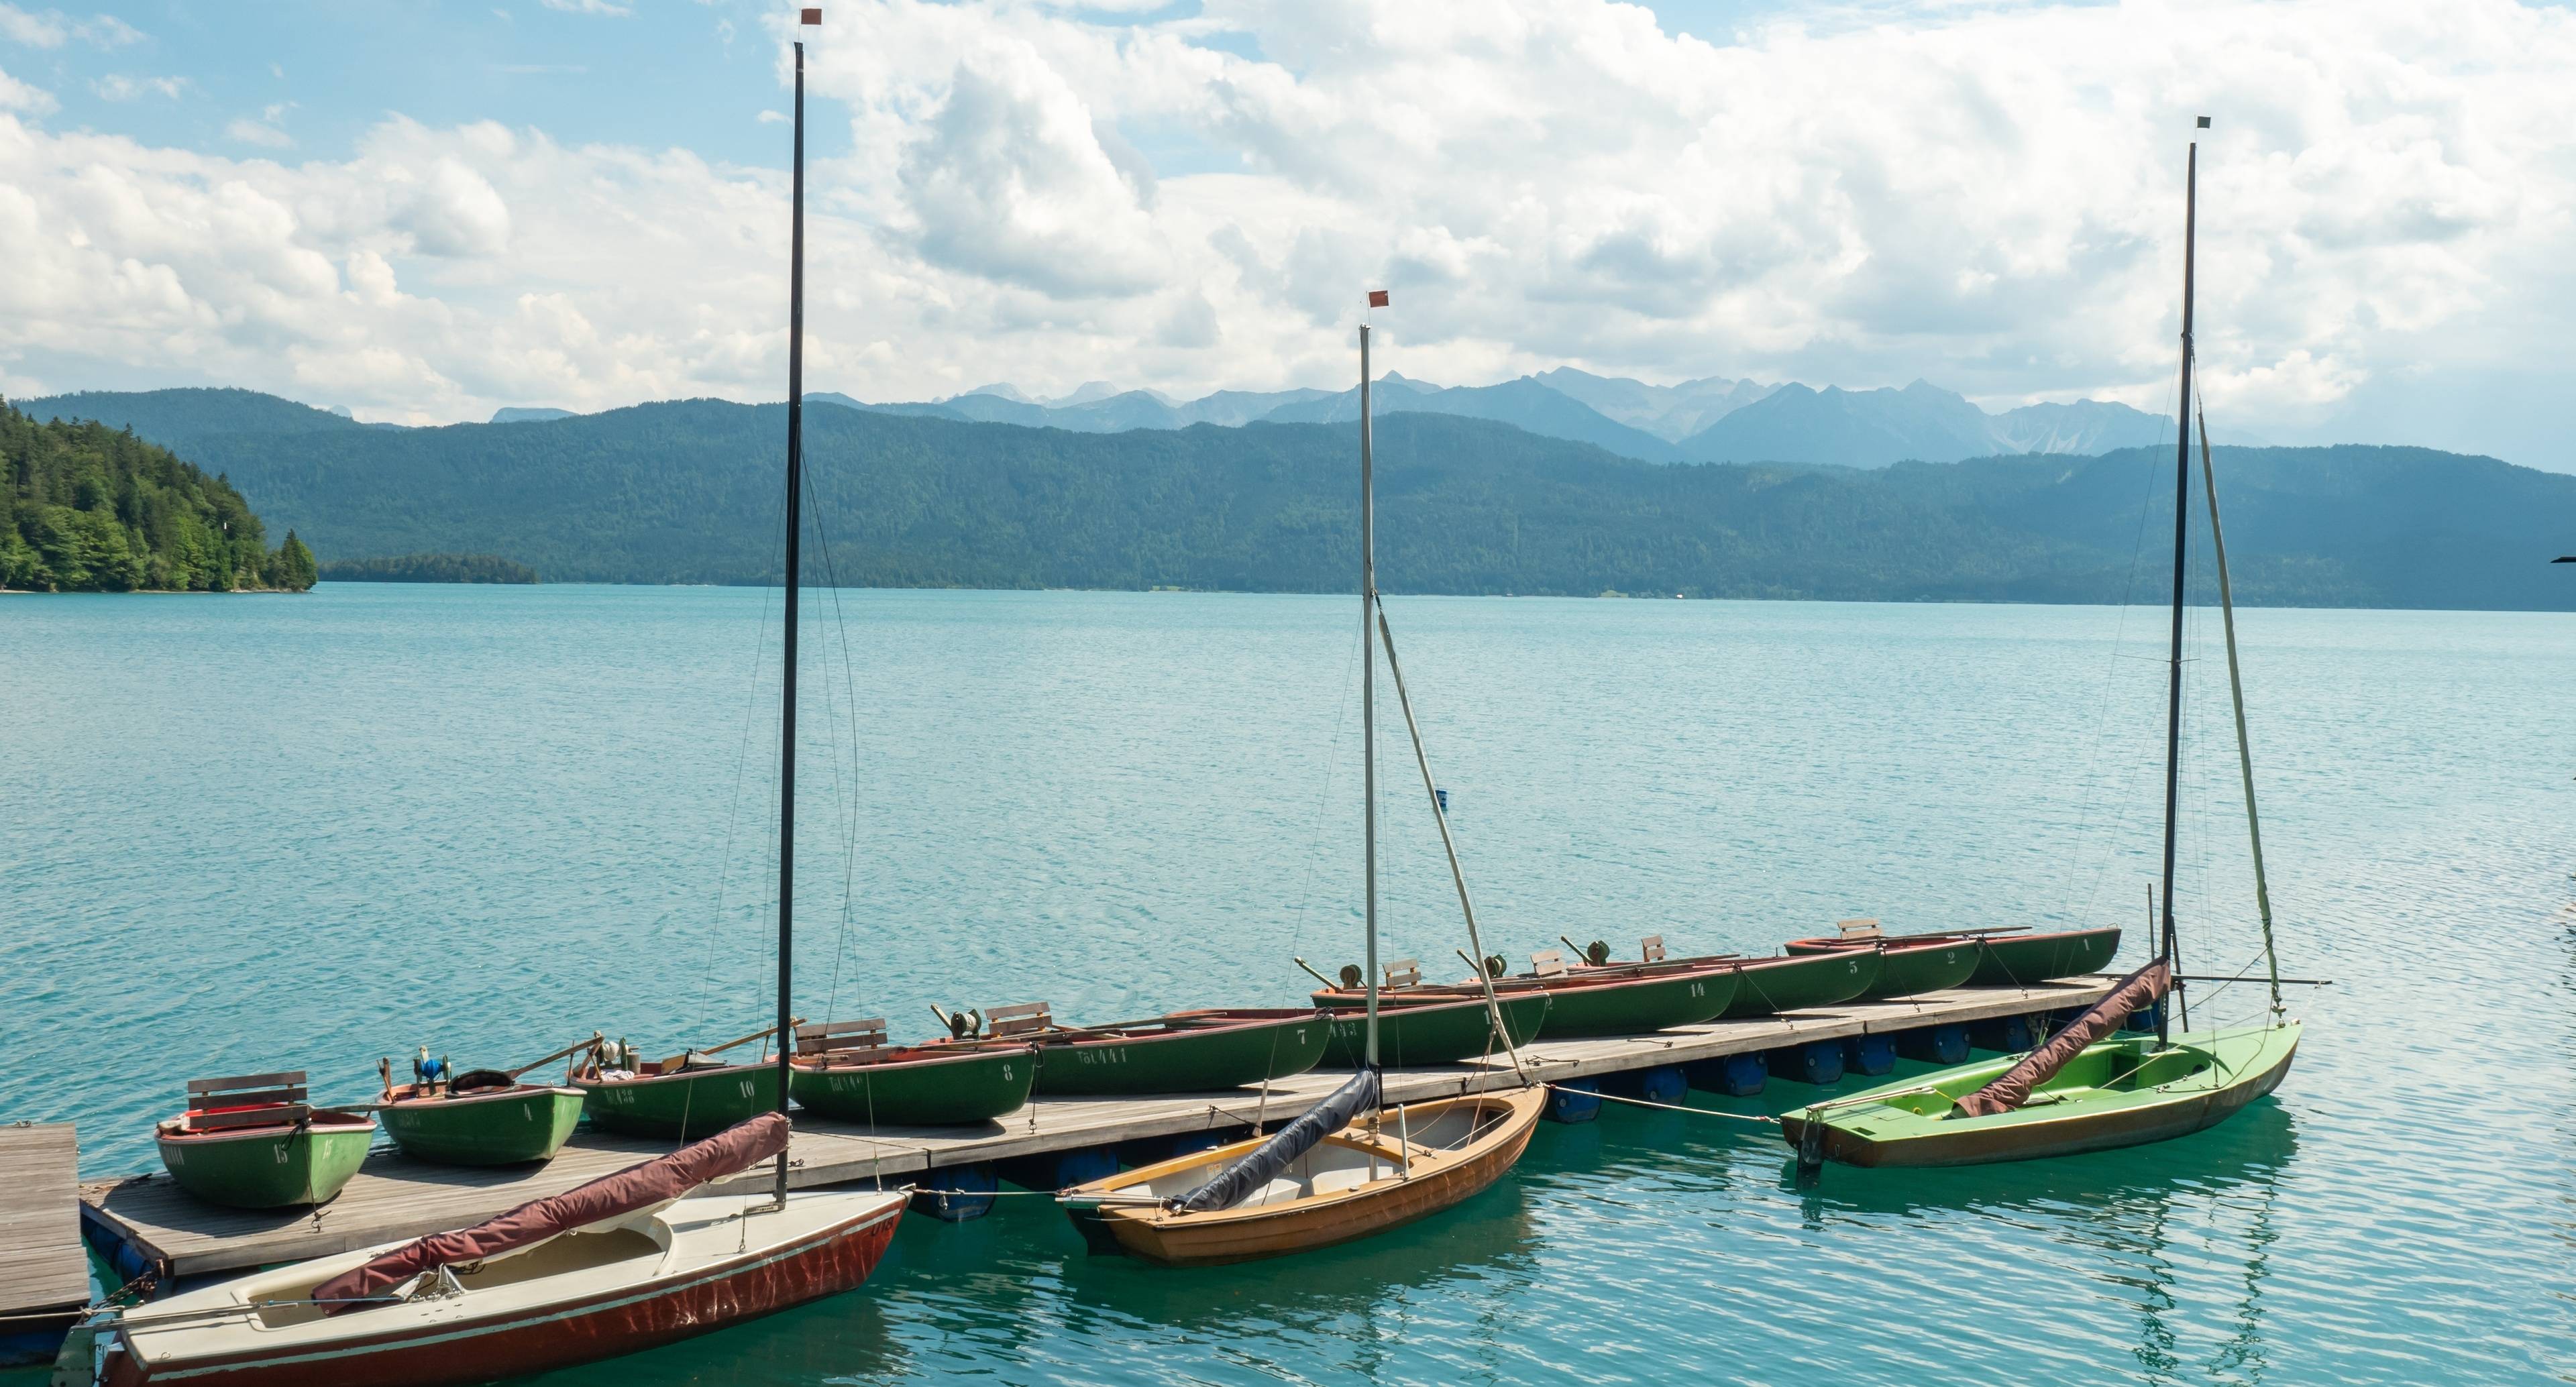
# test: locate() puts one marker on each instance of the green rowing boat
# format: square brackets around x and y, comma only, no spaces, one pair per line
[1435,1032]
[484,1118]
[252,1142]
[1802,983]
[940,1085]
[690,1102]
[1626,999]
[2005,958]
[2123,1091]
[1910,970]
[1184,1052]
[2018,960]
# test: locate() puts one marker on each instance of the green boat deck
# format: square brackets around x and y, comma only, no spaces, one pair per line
[397,1197]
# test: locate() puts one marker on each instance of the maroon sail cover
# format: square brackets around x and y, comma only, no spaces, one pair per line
[2013,1088]
[610,1196]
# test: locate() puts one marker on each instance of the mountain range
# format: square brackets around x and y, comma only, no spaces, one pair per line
[1709,420]
[687,491]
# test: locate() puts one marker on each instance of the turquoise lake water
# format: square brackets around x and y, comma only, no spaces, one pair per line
[254,833]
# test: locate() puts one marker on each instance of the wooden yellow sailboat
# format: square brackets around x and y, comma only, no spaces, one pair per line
[1350,1166]
[1351,1180]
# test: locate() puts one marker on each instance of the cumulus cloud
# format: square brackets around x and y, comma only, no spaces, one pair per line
[602,7]
[268,129]
[1986,197]
[18,96]
[117,86]
[49,29]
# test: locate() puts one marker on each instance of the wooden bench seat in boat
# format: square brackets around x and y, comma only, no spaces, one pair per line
[246,1100]
[825,1040]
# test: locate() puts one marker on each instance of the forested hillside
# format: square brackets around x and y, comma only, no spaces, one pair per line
[429,568]
[86,508]
[689,492]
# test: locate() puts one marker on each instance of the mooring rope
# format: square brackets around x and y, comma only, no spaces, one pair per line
[1670,1107]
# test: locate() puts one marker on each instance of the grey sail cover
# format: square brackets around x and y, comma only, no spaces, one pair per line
[1232,1184]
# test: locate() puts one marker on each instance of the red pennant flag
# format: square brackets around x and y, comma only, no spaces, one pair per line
[1377,298]
[810,16]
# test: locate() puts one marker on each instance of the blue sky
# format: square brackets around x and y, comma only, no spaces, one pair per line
[423,211]
[666,74]
[691,73]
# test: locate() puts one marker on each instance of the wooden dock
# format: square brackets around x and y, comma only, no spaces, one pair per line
[44,1278]
[394,1197]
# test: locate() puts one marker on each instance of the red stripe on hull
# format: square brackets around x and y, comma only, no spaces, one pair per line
[542,1340]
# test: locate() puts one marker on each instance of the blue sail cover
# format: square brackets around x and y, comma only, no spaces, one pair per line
[1240,1179]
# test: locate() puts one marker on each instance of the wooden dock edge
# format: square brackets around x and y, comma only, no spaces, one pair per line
[395,1198]
[44,1276]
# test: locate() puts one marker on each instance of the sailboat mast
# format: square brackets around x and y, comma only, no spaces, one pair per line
[1368,683]
[2182,522]
[787,690]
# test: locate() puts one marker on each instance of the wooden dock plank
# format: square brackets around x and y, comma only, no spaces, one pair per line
[41,1265]
[394,1197]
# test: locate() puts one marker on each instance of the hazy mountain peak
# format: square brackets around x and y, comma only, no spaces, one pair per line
[999,389]
[1084,394]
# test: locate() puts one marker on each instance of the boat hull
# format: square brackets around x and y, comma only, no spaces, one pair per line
[1910,970]
[1627,1000]
[268,1167]
[690,1104]
[2245,1066]
[2005,960]
[1802,982]
[2020,961]
[1638,1006]
[1438,1033]
[1246,1234]
[923,1088]
[608,1324]
[1188,1059]
[512,1127]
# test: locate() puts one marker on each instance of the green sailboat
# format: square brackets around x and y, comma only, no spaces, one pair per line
[253,1142]
[2122,1091]
[2087,1088]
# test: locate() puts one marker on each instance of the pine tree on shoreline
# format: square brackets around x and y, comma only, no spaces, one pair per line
[86,508]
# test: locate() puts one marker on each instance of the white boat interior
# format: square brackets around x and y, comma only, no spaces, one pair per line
[275,1309]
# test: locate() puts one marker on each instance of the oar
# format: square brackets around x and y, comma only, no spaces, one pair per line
[738,1040]
[595,1038]
[1310,972]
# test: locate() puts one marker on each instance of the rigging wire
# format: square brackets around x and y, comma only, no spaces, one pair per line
[2090,784]
[742,759]
[849,689]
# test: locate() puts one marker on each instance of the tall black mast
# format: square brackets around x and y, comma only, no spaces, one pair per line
[2182,521]
[787,690]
